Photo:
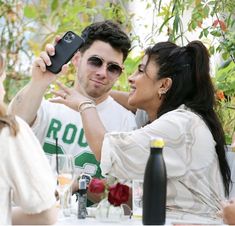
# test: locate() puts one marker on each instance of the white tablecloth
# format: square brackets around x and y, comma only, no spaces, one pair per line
[92,221]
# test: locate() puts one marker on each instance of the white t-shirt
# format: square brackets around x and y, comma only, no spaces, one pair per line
[57,120]
[194,181]
[26,177]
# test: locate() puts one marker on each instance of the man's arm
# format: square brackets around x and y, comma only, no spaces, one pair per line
[48,216]
[27,101]
[122,98]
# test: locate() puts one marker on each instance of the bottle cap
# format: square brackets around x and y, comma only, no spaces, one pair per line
[157,142]
[82,184]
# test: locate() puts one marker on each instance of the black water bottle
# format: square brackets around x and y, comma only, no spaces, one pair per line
[155,185]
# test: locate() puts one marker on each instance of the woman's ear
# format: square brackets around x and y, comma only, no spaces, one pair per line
[75,59]
[166,84]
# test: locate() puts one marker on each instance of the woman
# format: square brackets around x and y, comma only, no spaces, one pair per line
[173,85]
[26,177]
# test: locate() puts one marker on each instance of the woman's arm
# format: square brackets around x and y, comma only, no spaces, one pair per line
[93,127]
[48,216]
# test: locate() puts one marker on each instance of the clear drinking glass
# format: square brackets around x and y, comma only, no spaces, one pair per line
[63,166]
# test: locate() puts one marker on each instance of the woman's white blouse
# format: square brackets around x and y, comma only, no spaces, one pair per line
[194,186]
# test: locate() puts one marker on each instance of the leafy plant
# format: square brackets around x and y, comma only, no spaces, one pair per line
[225,84]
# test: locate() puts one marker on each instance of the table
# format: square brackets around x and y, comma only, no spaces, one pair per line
[72,220]
[92,221]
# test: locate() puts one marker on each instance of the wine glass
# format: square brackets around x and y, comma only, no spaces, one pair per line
[63,166]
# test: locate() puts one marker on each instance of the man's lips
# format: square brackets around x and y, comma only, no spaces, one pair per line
[97,82]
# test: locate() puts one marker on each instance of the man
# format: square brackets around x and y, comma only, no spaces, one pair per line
[99,63]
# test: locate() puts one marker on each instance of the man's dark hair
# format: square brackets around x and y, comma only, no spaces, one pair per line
[109,32]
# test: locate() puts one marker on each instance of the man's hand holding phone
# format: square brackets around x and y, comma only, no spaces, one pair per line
[55,58]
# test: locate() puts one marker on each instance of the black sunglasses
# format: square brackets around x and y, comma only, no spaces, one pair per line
[113,69]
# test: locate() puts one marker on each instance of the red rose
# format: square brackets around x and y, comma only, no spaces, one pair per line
[118,194]
[96,186]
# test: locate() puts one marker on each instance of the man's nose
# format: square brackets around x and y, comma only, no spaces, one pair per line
[102,70]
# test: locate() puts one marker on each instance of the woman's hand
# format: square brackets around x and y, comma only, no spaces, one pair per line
[68,96]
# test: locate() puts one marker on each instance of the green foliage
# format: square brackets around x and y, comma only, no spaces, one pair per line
[25,28]
[225,78]
[225,84]
[131,64]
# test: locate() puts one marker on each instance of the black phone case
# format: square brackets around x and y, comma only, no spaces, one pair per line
[64,51]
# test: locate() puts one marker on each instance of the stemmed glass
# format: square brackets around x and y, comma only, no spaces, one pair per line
[63,165]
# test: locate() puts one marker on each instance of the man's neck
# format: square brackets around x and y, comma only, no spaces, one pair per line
[101,99]
[97,100]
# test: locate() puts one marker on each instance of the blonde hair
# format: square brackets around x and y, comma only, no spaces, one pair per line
[5,119]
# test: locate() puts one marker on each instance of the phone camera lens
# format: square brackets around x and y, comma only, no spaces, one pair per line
[72,36]
[69,37]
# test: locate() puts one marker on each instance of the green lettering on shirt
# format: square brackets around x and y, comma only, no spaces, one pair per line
[69,133]
[81,140]
[88,158]
[54,128]
[51,149]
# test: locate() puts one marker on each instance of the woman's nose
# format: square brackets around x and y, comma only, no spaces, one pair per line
[131,78]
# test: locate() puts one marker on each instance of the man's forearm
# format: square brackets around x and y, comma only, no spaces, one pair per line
[27,101]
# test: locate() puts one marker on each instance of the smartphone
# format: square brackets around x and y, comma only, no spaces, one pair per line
[64,51]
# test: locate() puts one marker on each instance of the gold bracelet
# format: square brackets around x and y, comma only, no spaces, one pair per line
[86,106]
[85,102]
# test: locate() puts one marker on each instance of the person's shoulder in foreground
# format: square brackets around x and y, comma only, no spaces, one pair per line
[24,172]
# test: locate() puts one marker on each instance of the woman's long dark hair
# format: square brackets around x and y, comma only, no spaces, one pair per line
[188,67]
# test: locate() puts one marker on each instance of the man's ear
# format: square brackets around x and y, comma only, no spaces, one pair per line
[75,59]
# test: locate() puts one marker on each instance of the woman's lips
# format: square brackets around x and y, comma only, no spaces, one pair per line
[132,91]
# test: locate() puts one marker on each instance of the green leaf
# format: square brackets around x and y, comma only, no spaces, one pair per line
[201,34]
[206,32]
[54,4]
[30,12]
[216,33]
[176,24]
[164,23]
[206,11]
[194,25]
